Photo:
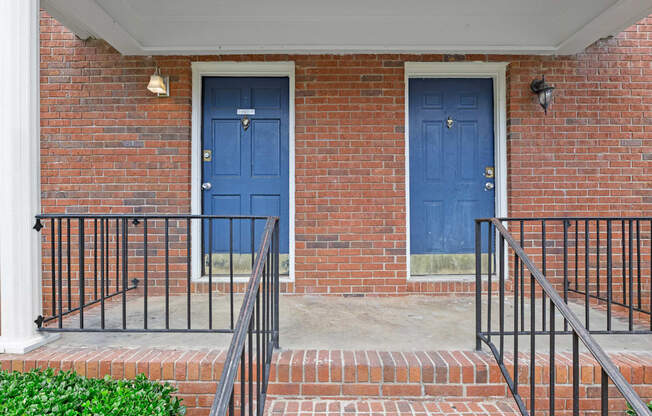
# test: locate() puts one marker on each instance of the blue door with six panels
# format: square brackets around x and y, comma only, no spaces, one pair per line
[451,144]
[249,168]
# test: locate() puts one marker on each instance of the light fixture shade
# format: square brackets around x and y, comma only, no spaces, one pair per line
[158,84]
[545,97]
[543,91]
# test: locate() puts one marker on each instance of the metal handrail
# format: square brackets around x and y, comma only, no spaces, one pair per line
[587,339]
[153,216]
[236,348]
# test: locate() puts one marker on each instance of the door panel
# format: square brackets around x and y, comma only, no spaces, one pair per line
[249,169]
[266,148]
[447,182]
[227,160]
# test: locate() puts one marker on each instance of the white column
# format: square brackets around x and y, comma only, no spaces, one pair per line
[20,256]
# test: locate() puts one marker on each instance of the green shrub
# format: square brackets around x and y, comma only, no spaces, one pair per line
[69,394]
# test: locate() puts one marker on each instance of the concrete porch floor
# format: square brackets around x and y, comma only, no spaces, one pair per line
[408,323]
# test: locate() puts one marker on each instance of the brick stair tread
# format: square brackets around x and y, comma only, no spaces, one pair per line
[396,407]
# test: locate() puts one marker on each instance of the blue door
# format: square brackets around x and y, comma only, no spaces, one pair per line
[451,162]
[248,168]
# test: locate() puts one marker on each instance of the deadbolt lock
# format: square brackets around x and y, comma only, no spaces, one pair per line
[489,172]
[208,155]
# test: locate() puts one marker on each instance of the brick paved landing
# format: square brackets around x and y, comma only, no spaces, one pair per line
[390,407]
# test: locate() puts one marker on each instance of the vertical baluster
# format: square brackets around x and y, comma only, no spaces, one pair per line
[609,274]
[501,295]
[145,273]
[68,267]
[82,295]
[566,224]
[167,274]
[576,375]
[270,290]
[95,258]
[60,275]
[210,273]
[631,278]
[577,248]
[268,293]
[125,268]
[604,393]
[586,274]
[259,357]
[543,270]
[533,327]
[107,257]
[231,269]
[250,350]
[263,324]
[597,255]
[624,262]
[268,270]
[188,311]
[638,263]
[516,312]
[489,263]
[522,292]
[242,383]
[54,267]
[553,371]
[478,285]
[117,255]
[277,285]
[270,281]
[277,278]
[102,276]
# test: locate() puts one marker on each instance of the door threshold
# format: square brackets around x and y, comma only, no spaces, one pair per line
[447,277]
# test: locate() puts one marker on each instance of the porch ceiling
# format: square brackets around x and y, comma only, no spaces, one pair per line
[159,27]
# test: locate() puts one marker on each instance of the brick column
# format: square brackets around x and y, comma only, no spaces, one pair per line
[20,293]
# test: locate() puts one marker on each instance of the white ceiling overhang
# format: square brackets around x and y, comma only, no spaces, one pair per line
[193,27]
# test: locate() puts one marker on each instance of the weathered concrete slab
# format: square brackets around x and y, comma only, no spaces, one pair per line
[407,323]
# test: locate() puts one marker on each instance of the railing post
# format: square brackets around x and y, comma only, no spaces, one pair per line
[478,284]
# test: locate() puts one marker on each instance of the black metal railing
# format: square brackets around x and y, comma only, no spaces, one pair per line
[129,273]
[605,262]
[256,334]
[537,307]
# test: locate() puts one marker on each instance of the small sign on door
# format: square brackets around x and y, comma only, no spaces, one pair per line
[246,111]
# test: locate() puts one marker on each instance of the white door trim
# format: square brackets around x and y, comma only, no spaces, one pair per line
[234,69]
[497,72]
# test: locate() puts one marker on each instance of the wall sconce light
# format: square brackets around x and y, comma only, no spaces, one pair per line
[159,85]
[544,91]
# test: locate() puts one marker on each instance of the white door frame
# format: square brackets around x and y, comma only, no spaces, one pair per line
[497,72]
[234,69]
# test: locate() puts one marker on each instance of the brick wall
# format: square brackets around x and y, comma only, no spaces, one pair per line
[110,146]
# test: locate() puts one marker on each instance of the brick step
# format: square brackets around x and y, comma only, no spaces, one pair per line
[369,374]
[379,407]
[335,375]
[308,374]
